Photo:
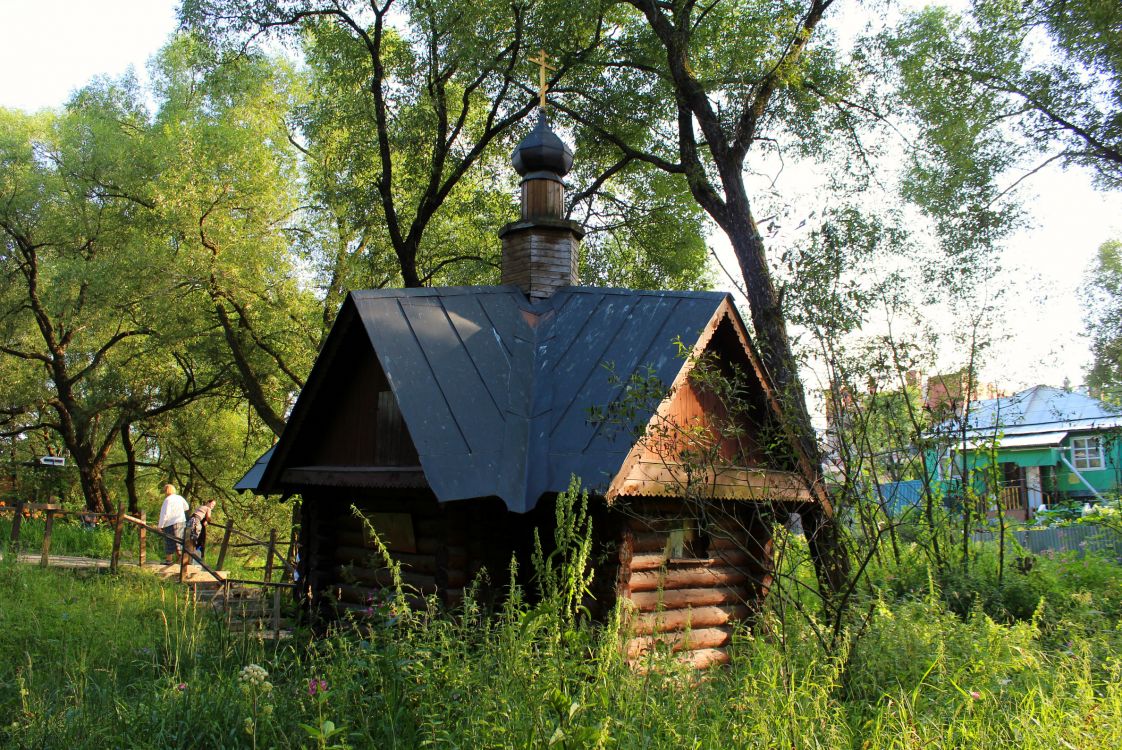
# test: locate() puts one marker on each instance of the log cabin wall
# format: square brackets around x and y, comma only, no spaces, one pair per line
[441,548]
[688,593]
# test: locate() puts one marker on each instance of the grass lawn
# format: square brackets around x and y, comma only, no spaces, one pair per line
[101,661]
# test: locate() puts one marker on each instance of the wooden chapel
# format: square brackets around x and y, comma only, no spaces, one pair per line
[453,417]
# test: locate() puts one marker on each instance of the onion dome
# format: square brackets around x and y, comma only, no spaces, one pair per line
[542,155]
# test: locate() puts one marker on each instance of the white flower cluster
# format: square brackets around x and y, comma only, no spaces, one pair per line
[253,675]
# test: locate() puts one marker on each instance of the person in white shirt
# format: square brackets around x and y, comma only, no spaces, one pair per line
[173,519]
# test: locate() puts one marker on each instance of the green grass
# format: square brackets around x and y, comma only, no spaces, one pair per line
[100,661]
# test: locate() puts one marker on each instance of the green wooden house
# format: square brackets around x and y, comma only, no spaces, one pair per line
[1039,447]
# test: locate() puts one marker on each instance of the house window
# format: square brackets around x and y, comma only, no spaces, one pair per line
[950,465]
[687,543]
[1087,453]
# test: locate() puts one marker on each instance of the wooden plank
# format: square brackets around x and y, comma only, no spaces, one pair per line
[365,595]
[355,476]
[650,541]
[142,539]
[648,561]
[118,529]
[276,613]
[703,658]
[225,543]
[269,557]
[696,617]
[382,578]
[650,601]
[454,597]
[362,556]
[657,478]
[702,638]
[17,522]
[44,559]
[686,578]
[739,558]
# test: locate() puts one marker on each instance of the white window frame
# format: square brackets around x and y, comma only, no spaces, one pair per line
[1087,453]
[949,465]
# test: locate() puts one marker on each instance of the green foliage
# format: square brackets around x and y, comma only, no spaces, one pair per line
[917,675]
[1003,85]
[1103,298]
[564,575]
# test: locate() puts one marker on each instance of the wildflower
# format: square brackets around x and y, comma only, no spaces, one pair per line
[248,726]
[253,675]
[181,686]
[975,695]
[267,710]
[316,686]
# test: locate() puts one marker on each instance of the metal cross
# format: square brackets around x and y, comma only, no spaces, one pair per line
[542,61]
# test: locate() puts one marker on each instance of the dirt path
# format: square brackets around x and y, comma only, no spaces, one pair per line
[195,574]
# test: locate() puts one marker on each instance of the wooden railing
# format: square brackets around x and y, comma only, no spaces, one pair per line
[121,520]
[1012,497]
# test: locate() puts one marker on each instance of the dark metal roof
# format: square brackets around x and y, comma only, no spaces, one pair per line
[253,476]
[499,394]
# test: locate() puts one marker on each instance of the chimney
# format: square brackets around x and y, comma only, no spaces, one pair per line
[540,249]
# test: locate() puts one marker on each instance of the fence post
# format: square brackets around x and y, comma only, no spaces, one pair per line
[269,558]
[290,557]
[16,523]
[276,614]
[225,543]
[45,559]
[185,557]
[142,539]
[118,529]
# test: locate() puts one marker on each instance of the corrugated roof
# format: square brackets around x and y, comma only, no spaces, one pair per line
[1041,409]
[498,393]
[1027,440]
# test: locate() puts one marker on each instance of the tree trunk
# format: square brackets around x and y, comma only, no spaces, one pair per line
[94,489]
[250,385]
[830,561]
[130,468]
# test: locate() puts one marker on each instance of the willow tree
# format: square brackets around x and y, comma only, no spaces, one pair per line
[81,308]
[229,204]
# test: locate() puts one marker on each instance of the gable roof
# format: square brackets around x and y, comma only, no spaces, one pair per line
[1039,411]
[498,393]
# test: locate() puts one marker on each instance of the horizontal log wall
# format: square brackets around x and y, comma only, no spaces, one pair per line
[691,605]
[452,545]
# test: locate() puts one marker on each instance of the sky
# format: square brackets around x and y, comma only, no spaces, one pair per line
[50,48]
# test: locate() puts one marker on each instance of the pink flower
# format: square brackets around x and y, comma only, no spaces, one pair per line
[316,686]
[181,686]
[975,695]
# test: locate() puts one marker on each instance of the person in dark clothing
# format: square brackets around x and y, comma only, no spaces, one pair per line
[196,528]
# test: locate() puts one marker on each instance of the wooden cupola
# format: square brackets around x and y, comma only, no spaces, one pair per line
[541,249]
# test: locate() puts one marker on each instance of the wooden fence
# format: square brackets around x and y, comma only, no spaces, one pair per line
[121,521]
